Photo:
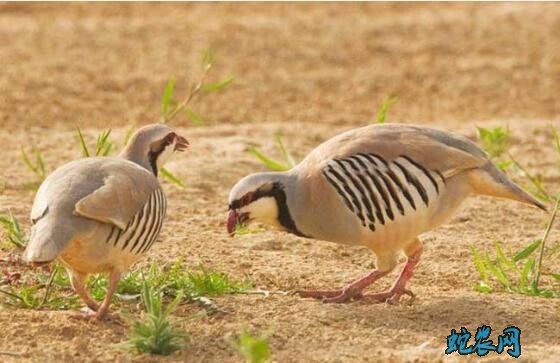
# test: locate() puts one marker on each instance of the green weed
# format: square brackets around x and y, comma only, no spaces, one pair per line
[170,108]
[287,163]
[381,115]
[495,141]
[155,334]
[103,146]
[515,273]
[254,349]
[13,231]
[37,166]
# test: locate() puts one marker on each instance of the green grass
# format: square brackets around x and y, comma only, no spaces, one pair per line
[518,272]
[496,141]
[155,333]
[381,116]
[36,291]
[103,146]
[12,230]
[286,163]
[253,349]
[170,107]
[36,166]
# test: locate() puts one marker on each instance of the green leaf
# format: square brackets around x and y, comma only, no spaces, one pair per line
[85,151]
[172,178]
[496,271]
[384,109]
[195,118]
[268,162]
[495,141]
[503,259]
[167,96]
[207,59]
[556,276]
[103,146]
[216,86]
[479,265]
[285,153]
[524,276]
[483,287]
[527,251]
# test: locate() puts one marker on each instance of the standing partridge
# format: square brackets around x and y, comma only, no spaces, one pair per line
[378,186]
[102,214]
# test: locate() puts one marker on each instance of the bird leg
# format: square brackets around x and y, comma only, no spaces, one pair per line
[100,311]
[398,289]
[347,293]
[114,278]
[77,281]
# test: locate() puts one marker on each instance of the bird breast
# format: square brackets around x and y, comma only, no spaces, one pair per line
[390,200]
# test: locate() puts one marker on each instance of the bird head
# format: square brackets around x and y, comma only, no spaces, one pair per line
[257,197]
[151,146]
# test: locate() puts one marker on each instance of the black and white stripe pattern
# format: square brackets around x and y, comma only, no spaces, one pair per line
[142,231]
[377,190]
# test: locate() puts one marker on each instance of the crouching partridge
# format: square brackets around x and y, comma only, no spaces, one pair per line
[102,214]
[378,186]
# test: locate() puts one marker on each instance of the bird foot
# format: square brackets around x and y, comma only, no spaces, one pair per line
[90,315]
[390,297]
[332,296]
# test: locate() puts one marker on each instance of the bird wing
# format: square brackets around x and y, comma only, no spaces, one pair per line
[435,150]
[123,193]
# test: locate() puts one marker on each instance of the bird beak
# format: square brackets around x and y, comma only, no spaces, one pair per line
[181,144]
[232,220]
[236,220]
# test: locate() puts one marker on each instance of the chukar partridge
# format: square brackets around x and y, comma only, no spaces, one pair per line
[102,214]
[378,186]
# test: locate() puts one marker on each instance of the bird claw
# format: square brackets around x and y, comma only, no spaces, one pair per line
[391,297]
[89,315]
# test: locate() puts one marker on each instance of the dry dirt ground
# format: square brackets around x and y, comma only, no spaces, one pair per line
[309,71]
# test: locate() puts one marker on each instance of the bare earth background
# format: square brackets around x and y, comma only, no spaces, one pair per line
[310,71]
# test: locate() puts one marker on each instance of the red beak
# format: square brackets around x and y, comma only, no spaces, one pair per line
[181,143]
[232,222]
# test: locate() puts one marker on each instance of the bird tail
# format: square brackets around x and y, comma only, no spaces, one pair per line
[489,180]
[45,243]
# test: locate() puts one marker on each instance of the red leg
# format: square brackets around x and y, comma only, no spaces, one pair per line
[398,289]
[349,292]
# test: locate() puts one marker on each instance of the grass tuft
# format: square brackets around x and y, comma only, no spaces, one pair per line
[287,163]
[515,272]
[254,349]
[13,231]
[37,166]
[103,146]
[155,334]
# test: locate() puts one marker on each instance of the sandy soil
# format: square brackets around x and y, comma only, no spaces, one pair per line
[319,68]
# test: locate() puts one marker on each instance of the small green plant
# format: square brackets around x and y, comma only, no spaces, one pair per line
[103,146]
[172,280]
[287,163]
[495,141]
[13,231]
[254,349]
[166,174]
[37,292]
[37,166]
[381,116]
[516,273]
[171,108]
[156,334]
